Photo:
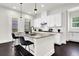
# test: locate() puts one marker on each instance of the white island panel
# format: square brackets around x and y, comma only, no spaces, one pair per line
[44,46]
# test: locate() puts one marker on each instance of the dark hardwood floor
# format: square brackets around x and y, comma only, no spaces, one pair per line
[20,51]
[6,49]
[69,49]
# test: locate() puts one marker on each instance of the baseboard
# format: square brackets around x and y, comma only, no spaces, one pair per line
[73,41]
[60,43]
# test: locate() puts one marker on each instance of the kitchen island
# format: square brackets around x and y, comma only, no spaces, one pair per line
[43,43]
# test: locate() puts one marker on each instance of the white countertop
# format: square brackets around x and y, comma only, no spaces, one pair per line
[37,35]
[42,35]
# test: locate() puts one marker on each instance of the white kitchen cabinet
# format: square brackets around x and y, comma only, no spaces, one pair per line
[43,44]
[58,38]
[54,20]
[74,36]
[70,36]
[51,20]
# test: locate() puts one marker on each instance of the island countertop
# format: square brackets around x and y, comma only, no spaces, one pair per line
[37,35]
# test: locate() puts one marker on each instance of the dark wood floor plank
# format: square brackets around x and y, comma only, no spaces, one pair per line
[69,49]
[6,49]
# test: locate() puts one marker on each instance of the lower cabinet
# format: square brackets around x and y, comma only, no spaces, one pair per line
[74,37]
[58,38]
[44,46]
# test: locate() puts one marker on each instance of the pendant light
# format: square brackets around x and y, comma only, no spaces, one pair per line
[35,9]
[21,10]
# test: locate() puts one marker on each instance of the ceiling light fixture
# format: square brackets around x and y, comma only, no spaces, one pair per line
[21,10]
[42,5]
[35,9]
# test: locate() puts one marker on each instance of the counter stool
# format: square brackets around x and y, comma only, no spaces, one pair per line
[15,37]
[25,42]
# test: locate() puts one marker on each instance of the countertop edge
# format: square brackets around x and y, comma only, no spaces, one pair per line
[6,42]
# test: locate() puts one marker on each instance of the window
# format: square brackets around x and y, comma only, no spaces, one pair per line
[14,25]
[75,22]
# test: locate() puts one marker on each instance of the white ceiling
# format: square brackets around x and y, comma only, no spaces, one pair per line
[29,7]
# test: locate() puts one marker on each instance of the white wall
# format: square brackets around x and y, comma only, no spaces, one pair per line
[5,26]
[6,16]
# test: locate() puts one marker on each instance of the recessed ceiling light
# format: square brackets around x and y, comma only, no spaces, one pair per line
[14,7]
[42,5]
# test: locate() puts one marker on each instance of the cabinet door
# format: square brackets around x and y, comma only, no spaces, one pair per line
[58,38]
[50,21]
[70,36]
[75,37]
[57,19]
[44,46]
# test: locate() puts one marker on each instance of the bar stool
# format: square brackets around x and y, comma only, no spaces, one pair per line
[25,42]
[15,37]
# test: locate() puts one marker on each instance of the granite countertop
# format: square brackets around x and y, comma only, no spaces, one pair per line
[38,35]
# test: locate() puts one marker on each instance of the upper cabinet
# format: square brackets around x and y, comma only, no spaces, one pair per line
[54,20]
[50,20]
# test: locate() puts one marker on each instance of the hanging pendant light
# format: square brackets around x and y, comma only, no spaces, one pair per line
[21,10]
[35,9]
